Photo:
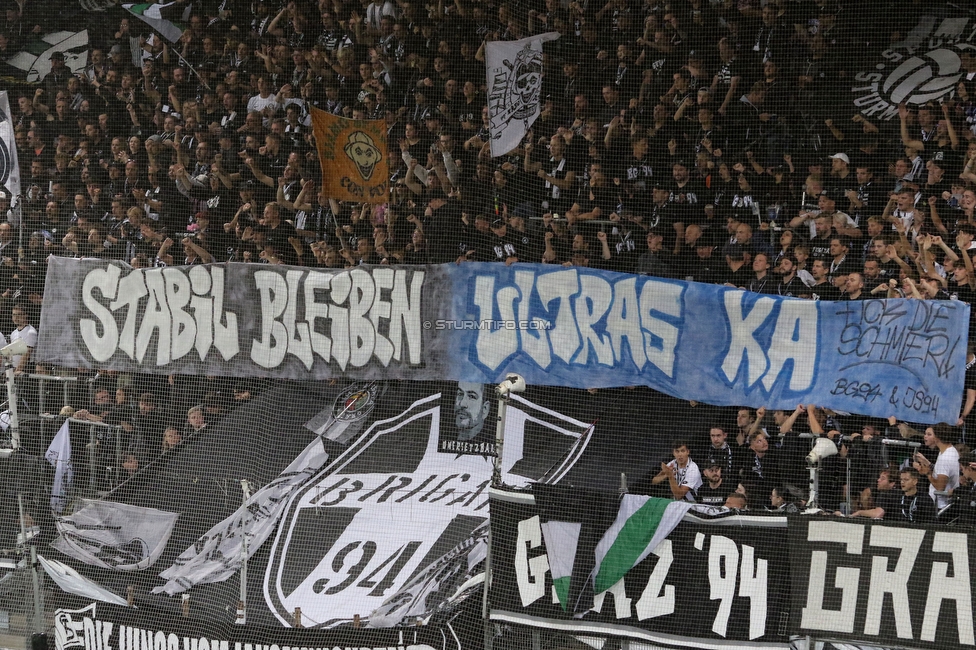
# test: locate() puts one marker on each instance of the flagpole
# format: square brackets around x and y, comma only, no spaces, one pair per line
[6,353]
[513,384]
[242,604]
[187,63]
[38,622]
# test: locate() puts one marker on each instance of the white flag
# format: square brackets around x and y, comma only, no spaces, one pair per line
[59,455]
[218,554]
[514,89]
[9,171]
[73,582]
[114,535]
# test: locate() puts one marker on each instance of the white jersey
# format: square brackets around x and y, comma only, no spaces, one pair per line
[947,464]
[258,103]
[29,335]
[689,476]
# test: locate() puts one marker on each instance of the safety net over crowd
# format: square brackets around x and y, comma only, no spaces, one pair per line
[482,325]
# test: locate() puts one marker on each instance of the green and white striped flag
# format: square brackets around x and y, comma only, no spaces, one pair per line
[573,520]
[167,18]
[642,523]
[562,538]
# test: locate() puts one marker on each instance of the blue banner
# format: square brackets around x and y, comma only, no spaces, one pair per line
[557,326]
[589,329]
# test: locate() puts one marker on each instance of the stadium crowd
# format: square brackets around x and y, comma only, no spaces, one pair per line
[706,140]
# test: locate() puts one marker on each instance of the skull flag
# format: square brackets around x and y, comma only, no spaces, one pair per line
[514,89]
[354,157]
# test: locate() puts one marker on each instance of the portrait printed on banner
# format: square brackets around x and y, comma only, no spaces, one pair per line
[467,425]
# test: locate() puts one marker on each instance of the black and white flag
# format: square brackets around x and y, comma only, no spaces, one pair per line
[73,45]
[9,170]
[115,535]
[59,455]
[514,89]
[220,552]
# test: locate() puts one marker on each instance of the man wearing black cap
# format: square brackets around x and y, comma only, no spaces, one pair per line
[57,78]
[661,214]
[655,260]
[714,490]
[504,246]
[702,264]
[842,222]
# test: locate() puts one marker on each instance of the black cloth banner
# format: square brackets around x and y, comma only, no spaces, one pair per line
[103,627]
[722,581]
[888,585]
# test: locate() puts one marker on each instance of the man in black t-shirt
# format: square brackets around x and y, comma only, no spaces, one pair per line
[661,214]
[705,265]
[914,506]
[444,230]
[688,195]
[503,246]
[965,495]
[626,239]
[823,288]
[886,496]
[714,490]
[871,273]
[967,417]
[634,175]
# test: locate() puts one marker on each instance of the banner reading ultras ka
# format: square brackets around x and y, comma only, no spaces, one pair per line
[573,327]
[882,584]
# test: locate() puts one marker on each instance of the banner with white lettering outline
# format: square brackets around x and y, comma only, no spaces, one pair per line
[883,584]
[107,627]
[573,327]
[712,583]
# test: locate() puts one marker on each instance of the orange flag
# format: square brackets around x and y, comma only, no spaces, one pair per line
[354,157]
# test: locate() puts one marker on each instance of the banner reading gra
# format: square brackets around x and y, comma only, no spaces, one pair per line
[572,327]
[887,585]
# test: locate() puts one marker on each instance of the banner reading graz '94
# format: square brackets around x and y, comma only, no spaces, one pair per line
[712,583]
[573,327]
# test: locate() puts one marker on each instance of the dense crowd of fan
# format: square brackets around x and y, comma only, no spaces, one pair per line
[687,139]
[705,140]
